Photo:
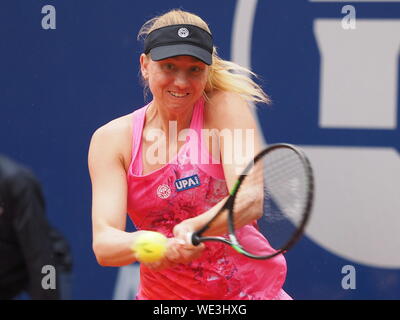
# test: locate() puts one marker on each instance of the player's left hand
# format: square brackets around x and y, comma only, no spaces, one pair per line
[186,251]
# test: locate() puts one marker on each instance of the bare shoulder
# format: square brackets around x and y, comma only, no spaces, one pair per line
[113,139]
[225,108]
[114,128]
[222,99]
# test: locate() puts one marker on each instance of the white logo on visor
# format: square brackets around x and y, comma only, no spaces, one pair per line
[183,32]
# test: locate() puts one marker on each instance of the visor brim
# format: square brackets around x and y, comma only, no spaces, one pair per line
[164,52]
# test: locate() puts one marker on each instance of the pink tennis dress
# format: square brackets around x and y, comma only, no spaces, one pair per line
[182,189]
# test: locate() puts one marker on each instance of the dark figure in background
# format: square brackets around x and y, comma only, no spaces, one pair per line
[27,241]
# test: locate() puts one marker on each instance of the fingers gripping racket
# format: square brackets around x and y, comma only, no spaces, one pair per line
[276,186]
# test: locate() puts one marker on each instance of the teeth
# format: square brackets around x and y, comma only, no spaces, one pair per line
[179,95]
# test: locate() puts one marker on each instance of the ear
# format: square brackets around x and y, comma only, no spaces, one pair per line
[144,66]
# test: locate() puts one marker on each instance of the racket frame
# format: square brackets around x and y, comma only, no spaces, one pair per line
[197,238]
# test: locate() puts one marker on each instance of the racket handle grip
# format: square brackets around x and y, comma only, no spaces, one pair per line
[192,238]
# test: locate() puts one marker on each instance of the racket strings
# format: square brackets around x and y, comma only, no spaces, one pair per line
[274,190]
[250,196]
[285,177]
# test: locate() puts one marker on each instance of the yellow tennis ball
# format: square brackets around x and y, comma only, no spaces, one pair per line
[150,246]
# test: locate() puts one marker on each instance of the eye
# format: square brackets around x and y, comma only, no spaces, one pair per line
[195,69]
[169,66]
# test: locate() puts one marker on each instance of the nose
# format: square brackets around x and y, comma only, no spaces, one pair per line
[181,80]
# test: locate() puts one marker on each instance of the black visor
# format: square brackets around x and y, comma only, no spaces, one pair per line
[179,40]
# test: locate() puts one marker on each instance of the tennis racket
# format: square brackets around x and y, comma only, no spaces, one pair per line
[278,187]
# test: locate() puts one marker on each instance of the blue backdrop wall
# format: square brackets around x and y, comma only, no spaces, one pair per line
[332,73]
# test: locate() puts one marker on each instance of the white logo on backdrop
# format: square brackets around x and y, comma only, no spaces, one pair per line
[356,213]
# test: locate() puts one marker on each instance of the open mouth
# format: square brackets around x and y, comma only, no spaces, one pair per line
[178,95]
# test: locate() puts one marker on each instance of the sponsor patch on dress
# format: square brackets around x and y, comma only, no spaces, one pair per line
[187,183]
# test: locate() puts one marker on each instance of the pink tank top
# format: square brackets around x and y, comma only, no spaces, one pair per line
[182,189]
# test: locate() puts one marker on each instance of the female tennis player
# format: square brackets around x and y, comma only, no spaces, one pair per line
[140,164]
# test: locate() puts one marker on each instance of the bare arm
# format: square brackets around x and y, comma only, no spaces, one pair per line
[230,112]
[111,244]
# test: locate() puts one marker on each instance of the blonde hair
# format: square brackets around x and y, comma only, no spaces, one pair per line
[224,75]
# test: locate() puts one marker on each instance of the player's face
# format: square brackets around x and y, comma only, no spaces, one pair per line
[176,82]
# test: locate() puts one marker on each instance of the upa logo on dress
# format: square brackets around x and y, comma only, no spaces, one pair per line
[187,183]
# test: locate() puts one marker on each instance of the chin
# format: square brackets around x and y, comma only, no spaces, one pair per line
[181,103]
